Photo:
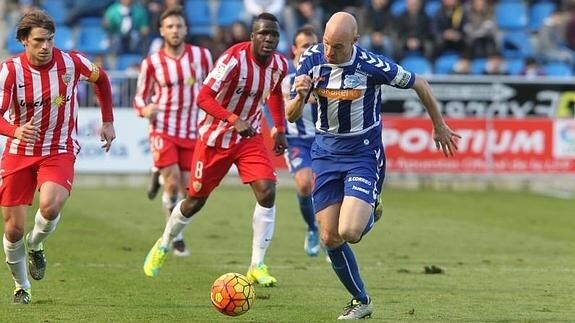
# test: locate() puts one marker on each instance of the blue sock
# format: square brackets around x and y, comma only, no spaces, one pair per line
[369,224]
[306,208]
[344,264]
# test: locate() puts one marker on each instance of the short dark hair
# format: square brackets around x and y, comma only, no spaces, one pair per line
[34,18]
[307,29]
[172,11]
[266,16]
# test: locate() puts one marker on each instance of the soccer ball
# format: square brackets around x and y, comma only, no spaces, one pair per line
[232,294]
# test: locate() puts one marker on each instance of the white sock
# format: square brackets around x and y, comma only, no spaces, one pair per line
[174,226]
[42,229]
[263,229]
[169,204]
[16,261]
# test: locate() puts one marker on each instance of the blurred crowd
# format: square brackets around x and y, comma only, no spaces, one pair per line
[505,37]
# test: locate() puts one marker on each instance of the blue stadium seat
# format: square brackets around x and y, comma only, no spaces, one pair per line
[511,15]
[478,65]
[89,21]
[417,64]
[538,12]
[64,38]
[93,40]
[557,69]
[397,7]
[13,46]
[432,7]
[230,11]
[444,63]
[56,9]
[515,65]
[198,12]
[124,61]
[516,44]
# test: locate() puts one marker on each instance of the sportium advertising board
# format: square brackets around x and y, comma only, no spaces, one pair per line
[533,145]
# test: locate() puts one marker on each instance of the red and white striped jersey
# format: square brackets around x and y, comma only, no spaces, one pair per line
[173,84]
[243,85]
[48,94]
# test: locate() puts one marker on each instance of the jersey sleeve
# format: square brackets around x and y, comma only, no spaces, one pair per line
[388,72]
[87,70]
[144,87]
[224,71]
[304,66]
[6,128]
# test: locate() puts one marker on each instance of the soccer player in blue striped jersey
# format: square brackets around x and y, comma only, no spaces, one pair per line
[300,135]
[347,154]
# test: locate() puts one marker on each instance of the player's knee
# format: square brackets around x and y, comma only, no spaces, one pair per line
[14,233]
[266,196]
[305,189]
[330,241]
[350,235]
[50,210]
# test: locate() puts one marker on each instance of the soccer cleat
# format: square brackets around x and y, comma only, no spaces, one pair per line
[356,310]
[311,243]
[260,275]
[378,210]
[154,185]
[155,259]
[22,296]
[36,260]
[179,248]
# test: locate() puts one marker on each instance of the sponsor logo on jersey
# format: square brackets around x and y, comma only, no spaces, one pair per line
[339,94]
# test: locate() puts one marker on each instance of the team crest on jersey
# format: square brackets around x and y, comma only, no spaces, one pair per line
[59,101]
[352,81]
[220,71]
[66,78]
[197,186]
[191,81]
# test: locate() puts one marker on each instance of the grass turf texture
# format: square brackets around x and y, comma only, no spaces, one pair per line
[508,257]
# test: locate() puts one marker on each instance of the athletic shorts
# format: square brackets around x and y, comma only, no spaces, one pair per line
[298,154]
[167,151]
[21,176]
[342,175]
[210,164]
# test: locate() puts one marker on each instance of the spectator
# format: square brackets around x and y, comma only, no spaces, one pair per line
[448,26]
[532,70]
[127,24]
[413,31]
[377,27]
[480,30]
[462,66]
[255,7]
[79,9]
[495,65]
[551,39]
[302,12]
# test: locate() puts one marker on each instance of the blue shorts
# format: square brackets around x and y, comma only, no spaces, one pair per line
[298,154]
[339,175]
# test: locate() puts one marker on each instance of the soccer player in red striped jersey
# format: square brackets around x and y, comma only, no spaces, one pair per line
[168,86]
[246,76]
[39,90]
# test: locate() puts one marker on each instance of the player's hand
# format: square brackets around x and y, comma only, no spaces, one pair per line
[244,128]
[28,132]
[445,139]
[107,134]
[280,142]
[151,112]
[302,85]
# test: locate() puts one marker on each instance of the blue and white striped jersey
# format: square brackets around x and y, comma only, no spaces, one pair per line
[349,94]
[304,127]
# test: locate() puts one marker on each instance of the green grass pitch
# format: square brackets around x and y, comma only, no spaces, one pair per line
[508,257]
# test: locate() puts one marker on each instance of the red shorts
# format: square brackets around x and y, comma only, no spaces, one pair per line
[168,151]
[21,176]
[211,164]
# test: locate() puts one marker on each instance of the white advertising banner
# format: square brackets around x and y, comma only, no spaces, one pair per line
[130,152]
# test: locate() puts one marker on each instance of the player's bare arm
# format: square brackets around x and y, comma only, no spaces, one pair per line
[107,135]
[445,139]
[302,85]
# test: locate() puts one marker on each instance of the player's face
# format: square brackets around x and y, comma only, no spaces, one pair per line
[302,42]
[39,46]
[265,38]
[173,29]
[337,48]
